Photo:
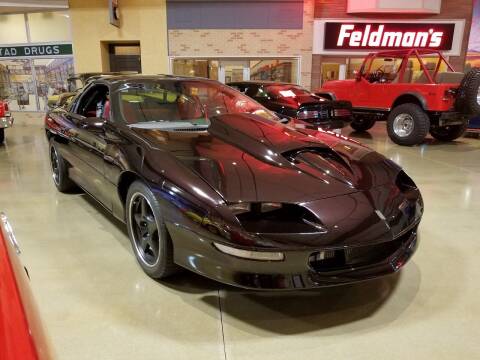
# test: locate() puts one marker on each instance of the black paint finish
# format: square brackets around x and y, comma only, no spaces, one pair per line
[369,207]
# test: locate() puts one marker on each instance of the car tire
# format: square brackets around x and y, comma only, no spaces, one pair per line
[2,136]
[448,133]
[151,242]
[408,124]
[60,170]
[469,93]
[361,124]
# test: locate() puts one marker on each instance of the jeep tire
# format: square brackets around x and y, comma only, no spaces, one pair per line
[468,100]
[408,124]
[361,123]
[2,135]
[448,133]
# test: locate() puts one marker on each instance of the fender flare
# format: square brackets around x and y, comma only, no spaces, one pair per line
[416,95]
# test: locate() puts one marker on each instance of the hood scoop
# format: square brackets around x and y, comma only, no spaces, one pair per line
[323,162]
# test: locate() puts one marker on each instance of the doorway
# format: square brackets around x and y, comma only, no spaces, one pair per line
[234,70]
[125,57]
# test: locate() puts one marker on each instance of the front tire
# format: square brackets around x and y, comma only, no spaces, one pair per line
[60,170]
[148,234]
[361,124]
[408,124]
[448,133]
[2,136]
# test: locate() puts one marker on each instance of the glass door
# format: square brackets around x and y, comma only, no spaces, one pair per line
[234,70]
[17,84]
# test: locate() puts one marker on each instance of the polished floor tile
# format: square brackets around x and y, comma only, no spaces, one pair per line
[97,304]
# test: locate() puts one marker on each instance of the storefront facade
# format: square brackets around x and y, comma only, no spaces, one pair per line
[247,40]
[36,59]
[344,34]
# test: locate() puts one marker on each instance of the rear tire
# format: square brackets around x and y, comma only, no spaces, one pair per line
[448,133]
[468,100]
[408,124]
[361,124]
[2,136]
[60,170]
[148,234]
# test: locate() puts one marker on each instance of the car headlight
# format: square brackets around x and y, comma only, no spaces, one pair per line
[245,207]
[249,254]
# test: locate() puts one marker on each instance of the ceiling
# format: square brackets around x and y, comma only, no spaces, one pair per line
[23,6]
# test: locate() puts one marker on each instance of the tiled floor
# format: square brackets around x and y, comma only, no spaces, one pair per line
[97,304]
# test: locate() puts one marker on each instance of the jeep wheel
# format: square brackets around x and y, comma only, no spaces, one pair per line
[2,136]
[469,93]
[408,124]
[362,123]
[448,133]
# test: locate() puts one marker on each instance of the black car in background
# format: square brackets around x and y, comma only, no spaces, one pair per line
[206,178]
[289,100]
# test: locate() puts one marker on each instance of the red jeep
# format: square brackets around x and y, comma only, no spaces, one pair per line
[415,90]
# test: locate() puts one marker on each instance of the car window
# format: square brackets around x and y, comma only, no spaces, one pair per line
[183,100]
[95,102]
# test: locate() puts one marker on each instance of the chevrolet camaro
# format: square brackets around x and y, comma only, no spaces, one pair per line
[207,179]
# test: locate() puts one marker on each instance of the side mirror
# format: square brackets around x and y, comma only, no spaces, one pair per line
[92,123]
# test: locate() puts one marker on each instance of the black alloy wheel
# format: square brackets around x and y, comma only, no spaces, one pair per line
[55,165]
[148,233]
[144,229]
[60,170]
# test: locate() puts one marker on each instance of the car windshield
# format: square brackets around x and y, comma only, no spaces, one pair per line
[182,102]
[286,91]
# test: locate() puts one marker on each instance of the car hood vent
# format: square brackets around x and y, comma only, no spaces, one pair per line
[324,160]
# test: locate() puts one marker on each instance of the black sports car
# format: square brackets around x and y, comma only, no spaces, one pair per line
[293,101]
[208,179]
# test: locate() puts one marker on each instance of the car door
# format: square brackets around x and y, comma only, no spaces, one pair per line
[87,141]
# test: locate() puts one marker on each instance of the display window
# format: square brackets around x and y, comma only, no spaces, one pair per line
[231,70]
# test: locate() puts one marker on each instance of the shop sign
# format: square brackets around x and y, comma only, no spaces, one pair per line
[373,36]
[36,50]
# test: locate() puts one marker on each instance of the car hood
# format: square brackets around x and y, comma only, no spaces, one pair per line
[247,158]
[301,100]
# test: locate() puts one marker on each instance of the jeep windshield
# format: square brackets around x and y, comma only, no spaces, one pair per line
[181,103]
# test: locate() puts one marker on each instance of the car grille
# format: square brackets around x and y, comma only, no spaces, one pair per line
[338,259]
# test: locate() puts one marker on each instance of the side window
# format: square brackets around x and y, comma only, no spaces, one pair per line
[95,102]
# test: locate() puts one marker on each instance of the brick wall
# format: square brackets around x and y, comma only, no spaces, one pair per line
[451,9]
[254,43]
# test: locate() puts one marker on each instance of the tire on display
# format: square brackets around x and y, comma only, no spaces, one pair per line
[148,234]
[362,123]
[408,124]
[60,170]
[2,136]
[470,92]
[448,133]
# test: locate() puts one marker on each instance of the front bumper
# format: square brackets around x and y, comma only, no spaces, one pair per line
[6,121]
[198,254]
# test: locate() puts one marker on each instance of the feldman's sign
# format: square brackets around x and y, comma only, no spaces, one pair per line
[371,36]
[35,50]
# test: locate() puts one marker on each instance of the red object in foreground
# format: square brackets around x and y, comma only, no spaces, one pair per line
[21,333]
